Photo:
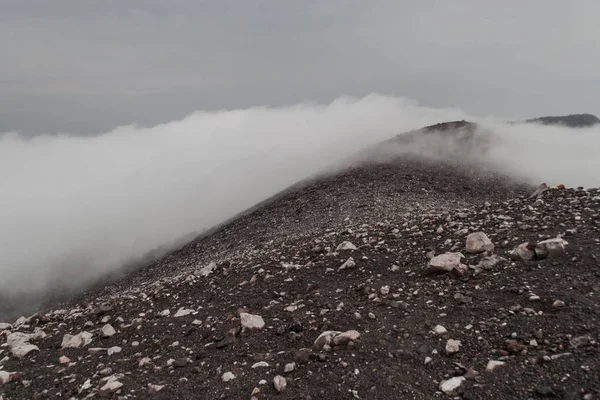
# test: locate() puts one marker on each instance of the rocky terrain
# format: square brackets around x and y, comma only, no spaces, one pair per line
[412,278]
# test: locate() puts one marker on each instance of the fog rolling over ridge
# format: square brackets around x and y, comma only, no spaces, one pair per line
[74,208]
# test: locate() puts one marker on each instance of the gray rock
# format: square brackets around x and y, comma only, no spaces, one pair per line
[207,270]
[478,242]
[227,376]
[289,367]
[439,330]
[447,262]
[452,346]
[540,190]
[279,383]
[324,338]
[80,340]
[153,389]
[22,350]
[4,377]
[260,364]
[558,304]
[493,364]
[490,261]
[19,345]
[108,331]
[551,248]
[350,263]
[524,251]
[344,338]
[451,386]
[345,246]
[251,322]
[182,312]
[113,350]
[111,386]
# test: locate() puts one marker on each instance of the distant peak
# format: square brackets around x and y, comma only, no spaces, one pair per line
[572,120]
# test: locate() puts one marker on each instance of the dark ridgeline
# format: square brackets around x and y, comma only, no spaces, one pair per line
[572,121]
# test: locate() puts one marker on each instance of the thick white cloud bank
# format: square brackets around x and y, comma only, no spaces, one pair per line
[89,204]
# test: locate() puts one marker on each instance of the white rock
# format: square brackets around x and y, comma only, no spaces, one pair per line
[24,349]
[385,290]
[64,360]
[558,304]
[349,263]
[447,262]
[452,346]
[478,242]
[439,330]
[289,367]
[145,361]
[450,386]
[551,248]
[227,376]
[4,377]
[108,331]
[165,313]
[182,312]
[493,364]
[114,350]
[19,338]
[19,345]
[260,364]
[325,339]
[86,385]
[80,340]
[346,246]
[5,326]
[153,389]
[207,270]
[344,338]
[111,386]
[524,251]
[279,383]
[250,321]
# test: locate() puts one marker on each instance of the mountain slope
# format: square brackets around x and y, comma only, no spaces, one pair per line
[345,252]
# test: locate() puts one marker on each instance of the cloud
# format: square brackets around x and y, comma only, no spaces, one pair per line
[88,204]
[508,59]
[74,208]
[551,154]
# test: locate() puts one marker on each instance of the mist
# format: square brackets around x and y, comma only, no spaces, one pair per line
[76,208]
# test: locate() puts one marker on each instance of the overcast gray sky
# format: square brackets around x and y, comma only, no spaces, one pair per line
[86,66]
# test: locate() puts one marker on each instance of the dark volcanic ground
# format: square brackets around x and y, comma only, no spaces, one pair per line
[347,253]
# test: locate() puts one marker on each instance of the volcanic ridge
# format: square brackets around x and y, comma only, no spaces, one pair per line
[396,277]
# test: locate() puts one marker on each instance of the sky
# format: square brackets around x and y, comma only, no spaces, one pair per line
[84,67]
